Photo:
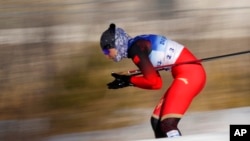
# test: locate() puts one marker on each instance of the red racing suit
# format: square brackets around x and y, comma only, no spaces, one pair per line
[149,51]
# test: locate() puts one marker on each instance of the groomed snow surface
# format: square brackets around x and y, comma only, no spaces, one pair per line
[195,126]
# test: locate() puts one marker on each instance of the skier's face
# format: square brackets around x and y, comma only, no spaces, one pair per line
[110,53]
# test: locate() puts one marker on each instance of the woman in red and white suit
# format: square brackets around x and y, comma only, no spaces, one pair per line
[150,51]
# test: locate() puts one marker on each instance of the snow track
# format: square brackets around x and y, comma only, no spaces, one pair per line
[205,126]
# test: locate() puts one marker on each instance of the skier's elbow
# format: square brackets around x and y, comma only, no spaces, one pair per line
[156,83]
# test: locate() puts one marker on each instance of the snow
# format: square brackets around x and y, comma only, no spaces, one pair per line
[209,125]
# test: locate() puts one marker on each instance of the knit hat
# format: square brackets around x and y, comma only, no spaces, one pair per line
[108,38]
[117,38]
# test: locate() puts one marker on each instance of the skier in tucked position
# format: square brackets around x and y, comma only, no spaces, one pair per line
[150,51]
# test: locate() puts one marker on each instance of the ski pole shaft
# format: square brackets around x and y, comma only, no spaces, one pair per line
[165,67]
[226,55]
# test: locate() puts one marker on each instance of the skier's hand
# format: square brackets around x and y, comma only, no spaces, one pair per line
[119,82]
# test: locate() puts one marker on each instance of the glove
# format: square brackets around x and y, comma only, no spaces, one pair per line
[120,81]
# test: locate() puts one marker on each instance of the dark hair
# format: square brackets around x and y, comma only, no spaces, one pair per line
[108,37]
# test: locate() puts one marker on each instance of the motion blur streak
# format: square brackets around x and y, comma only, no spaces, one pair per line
[53,74]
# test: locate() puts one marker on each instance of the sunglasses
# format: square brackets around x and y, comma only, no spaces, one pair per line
[106,48]
[106,51]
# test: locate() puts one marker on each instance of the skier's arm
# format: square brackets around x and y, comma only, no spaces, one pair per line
[150,78]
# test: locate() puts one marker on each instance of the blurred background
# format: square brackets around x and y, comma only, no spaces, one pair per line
[53,74]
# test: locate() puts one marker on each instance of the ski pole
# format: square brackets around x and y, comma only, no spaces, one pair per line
[166,67]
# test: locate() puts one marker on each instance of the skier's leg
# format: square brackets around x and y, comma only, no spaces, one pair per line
[169,120]
[169,127]
[179,96]
[157,128]
[156,121]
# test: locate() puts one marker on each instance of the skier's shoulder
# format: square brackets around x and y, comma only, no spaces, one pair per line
[144,38]
[148,36]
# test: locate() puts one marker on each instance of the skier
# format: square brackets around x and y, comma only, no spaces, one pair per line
[149,51]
